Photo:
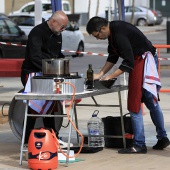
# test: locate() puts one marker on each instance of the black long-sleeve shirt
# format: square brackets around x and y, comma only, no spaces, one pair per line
[42,44]
[127,41]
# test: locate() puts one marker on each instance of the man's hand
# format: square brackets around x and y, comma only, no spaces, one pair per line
[113,75]
[97,76]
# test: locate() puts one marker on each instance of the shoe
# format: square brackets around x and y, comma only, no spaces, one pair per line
[64,144]
[134,150]
[161,144]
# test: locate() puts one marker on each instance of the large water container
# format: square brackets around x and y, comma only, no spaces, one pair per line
[95,128]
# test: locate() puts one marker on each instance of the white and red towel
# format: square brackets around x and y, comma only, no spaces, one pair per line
[151,80]
[40,106]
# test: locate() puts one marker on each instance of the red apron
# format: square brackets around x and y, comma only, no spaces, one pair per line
[135,85]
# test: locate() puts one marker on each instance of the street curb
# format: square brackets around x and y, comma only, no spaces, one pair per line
[164,67]
[145,32]
[156,30]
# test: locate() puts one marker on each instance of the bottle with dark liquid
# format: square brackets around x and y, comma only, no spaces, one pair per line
[90,79]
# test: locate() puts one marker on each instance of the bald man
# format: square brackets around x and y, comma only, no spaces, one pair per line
[44,42]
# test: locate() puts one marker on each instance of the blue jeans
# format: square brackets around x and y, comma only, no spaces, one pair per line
[156,116]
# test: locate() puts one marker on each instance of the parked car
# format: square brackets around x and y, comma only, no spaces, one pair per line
[46,7]
[2,15]
[142,15]
[73,38]
[11,33]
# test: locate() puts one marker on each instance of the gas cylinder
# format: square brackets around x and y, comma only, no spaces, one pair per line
[42,149]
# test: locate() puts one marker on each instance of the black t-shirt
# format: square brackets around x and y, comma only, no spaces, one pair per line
[127,41]
[42,44]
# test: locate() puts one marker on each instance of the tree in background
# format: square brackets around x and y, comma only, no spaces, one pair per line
[133,10]
[97,9]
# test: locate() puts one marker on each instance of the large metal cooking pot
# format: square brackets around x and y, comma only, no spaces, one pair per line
[52,67]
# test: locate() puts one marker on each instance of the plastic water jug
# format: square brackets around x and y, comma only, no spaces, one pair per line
[95,128]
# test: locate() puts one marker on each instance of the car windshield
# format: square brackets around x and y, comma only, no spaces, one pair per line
[3,27]
[8,27]
[66,7]
[3,15]
[24,20]
[127,9]
[30,8]
[12,27]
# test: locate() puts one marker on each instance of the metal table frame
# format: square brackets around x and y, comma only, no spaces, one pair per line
[59,97]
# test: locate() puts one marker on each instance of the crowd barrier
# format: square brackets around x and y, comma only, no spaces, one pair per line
[159,47]
[10,67]
[14,71]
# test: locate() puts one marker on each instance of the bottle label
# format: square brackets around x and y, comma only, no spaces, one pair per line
[94,131]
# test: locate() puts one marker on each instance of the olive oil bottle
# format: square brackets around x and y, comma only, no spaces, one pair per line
[90,78]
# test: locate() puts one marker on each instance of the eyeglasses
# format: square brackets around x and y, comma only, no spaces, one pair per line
[62,27]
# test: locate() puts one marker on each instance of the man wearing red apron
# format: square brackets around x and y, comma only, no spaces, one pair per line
[140,61]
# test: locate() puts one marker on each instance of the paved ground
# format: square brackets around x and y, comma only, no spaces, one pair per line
[108,158]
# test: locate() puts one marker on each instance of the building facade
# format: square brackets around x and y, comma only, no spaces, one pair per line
[89,8]
[9,6]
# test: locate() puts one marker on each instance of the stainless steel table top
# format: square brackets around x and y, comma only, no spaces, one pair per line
[34,96]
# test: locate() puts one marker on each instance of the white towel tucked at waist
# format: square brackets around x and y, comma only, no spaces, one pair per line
[151,80]
[40,106]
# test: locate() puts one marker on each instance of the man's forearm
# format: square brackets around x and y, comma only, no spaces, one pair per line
[106,68]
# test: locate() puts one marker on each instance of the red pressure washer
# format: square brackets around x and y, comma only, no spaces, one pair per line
[42,149]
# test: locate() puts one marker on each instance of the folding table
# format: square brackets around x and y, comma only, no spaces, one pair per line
[59,97]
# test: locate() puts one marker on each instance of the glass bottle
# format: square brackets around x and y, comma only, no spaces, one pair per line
[90,78]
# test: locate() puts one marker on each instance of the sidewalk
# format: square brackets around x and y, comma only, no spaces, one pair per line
[108,158]
[144,29]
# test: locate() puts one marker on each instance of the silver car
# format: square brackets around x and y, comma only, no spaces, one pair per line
[142,16]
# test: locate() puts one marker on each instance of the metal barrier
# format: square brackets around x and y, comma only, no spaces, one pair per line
[159,47]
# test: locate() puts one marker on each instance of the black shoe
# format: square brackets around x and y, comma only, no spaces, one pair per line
[134,149]
[161,144]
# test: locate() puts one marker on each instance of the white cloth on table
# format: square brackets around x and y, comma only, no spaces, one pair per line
[151,80]
[40,106]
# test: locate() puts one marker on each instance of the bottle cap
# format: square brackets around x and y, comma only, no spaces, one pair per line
[95,113]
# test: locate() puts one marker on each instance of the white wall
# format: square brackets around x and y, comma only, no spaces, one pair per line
[2,6]
[103,5]
[142,3]
[81,6]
